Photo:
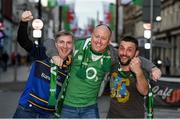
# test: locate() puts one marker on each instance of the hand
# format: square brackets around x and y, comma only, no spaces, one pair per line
[135,65]
[64,55]
[58,61]
[141,84]
[26,16]
[155,73]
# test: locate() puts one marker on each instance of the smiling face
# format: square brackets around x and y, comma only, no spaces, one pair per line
[64,44]
[100,38]
[127,50]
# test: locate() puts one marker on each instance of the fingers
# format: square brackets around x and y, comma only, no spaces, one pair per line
[135,65]
[156,73]
[57,61]
[135,62]
[155,78]
[64,55]
[61,62]
[26,16]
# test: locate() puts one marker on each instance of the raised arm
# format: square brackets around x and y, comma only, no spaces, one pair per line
[37,52]
[142,84]
[22,35]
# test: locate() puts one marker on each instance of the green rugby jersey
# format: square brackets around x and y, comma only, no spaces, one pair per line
[87,72]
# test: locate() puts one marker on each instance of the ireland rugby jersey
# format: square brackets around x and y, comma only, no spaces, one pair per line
[86,74]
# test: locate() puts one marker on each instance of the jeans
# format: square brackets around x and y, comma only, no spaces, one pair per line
[23,112]
[80,112]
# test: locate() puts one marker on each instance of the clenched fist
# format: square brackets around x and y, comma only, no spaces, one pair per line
[26,16]
[58,60]
[135,65]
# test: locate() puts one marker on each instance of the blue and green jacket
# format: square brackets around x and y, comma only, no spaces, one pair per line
[36,92]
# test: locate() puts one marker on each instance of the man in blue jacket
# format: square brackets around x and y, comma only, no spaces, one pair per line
[41,91]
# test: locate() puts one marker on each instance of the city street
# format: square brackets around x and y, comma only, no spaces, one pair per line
[147,28]
[9,76]
[10,92]
[9,99]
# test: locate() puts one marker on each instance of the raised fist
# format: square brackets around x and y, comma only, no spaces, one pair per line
[26,16]
[58,60]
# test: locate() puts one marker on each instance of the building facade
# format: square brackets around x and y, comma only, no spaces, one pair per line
[10,13]
[165,35]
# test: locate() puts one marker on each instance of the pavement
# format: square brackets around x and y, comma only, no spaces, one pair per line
[14,79]
[12,83]
[15,74]
[11,88]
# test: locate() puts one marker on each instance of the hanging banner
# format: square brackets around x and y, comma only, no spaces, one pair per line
[109,14]
[52,3]
[167,92]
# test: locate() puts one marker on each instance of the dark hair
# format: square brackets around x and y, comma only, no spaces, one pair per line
[131,39]
[63,33]
[106,27]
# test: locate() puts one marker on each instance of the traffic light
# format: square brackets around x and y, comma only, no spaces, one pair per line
[156,8]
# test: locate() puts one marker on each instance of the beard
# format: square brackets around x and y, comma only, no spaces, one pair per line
[125,63]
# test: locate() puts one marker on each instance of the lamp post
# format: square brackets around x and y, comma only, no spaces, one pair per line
[39,9]
[151,22]
[37,25]
[39,16]
[117,19]
[60,17]
[151,13]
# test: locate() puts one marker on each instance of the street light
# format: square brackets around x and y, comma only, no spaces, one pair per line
[158,18]
[38,2]
[147,33]
[37,24]
[44,3]
[39,9]
[147,46]
[151,14]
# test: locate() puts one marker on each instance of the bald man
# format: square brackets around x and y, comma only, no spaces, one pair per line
[92,60]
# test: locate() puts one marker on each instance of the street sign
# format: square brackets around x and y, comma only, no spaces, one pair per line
[37,33]
[37,24]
